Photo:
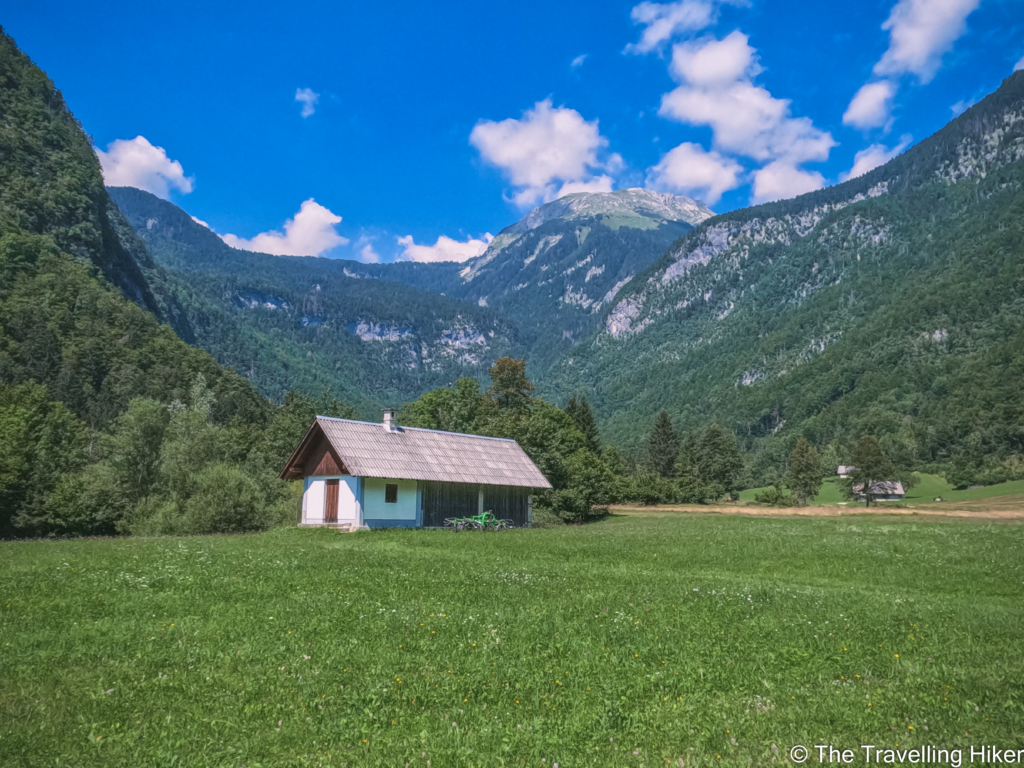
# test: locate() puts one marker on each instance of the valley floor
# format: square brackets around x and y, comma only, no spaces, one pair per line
[672,639]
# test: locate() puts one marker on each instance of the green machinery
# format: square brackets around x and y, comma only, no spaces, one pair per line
[482,522]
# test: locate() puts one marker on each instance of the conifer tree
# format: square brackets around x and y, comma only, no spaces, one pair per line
[690,490]
[583,417]
[662,447]
[805,475]
[720,464]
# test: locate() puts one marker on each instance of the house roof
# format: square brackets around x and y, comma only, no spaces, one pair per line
[882,488]
[407,453]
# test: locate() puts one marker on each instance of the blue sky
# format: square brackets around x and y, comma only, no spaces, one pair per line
[414,130]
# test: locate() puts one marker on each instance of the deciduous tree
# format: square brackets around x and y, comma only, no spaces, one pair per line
[510,390]
[870,467]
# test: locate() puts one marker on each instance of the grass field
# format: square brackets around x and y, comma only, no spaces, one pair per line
[676,640]
[929,487]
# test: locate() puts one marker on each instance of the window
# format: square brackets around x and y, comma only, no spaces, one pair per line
[391,493]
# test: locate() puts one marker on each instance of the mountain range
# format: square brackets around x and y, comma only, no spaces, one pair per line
[891,304]
[888,304]
[378,334]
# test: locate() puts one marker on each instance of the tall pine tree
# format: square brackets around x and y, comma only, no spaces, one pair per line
[690,489]
[583,417]
[805,475]
[662,447]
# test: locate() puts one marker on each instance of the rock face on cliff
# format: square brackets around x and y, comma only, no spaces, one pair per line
[559,266]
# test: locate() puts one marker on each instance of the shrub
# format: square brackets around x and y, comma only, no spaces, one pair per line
[775,497]
[226,500]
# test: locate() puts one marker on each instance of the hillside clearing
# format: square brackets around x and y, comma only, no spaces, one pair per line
[631,640]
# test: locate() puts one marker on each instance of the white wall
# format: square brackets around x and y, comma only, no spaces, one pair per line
[313,499]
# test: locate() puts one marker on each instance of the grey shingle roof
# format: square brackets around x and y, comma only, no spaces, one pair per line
[369,450]
[882,488]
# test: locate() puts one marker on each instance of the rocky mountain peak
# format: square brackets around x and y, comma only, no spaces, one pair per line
[622,203]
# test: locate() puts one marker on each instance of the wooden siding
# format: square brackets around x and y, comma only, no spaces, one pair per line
[441,500]
[508,502]
[322,460]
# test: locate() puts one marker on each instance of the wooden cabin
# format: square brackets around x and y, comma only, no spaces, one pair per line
[358,474]
[881,490]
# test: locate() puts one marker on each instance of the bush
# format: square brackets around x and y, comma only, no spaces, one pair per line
[775,497]
[155,517]
[587,493]
[226,500]
[87,503]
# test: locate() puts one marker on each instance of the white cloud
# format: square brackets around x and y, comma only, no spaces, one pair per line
[663,21]
[746,119]
[1019,65]
[712,63]
[309,233]
[781,179]
[309,98]
[548,145]
[578,61]
[137,163]
[962,106]
[871,105]
[870,158]
[367,253]
[920,32]
[600,184]
[200,221]
[445,249]
[369,256]
[689,169]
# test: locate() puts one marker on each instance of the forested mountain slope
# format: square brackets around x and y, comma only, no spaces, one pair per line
[50,184]
[313,324]
[73,350]
[396,330]
[892,304]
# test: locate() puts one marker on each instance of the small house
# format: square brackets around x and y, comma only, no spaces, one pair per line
[881,490]
[844,470]
[358,474]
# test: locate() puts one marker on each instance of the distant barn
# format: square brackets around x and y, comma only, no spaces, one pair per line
[359,474]
[881,490]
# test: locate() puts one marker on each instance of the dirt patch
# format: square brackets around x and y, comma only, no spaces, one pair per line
[1006,509]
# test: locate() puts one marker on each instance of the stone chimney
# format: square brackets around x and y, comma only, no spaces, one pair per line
[390,424]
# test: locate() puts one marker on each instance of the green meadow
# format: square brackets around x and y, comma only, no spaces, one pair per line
[644,641]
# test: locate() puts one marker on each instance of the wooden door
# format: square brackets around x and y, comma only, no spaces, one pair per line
[331,502]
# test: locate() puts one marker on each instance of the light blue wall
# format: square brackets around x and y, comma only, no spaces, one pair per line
[376,511]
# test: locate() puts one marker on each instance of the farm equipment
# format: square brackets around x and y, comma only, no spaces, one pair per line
[482,522]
